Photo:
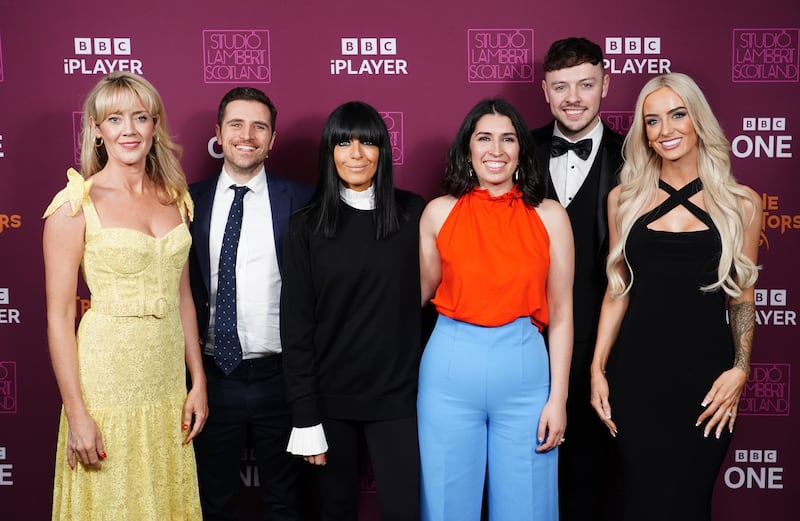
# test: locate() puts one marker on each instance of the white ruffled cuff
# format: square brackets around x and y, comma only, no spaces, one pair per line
[307,441]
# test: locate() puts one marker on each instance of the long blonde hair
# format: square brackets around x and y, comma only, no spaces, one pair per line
[162,166]
[723,196]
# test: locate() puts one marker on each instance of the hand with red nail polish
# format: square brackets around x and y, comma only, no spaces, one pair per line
[84,441]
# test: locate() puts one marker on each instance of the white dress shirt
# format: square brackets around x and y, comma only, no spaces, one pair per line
[568,171]
[258,280]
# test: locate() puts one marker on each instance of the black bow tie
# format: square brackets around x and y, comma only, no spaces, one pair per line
[560,146]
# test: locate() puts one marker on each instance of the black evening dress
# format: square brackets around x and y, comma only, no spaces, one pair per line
[673,343]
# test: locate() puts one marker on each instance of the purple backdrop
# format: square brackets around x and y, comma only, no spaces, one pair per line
[423,64]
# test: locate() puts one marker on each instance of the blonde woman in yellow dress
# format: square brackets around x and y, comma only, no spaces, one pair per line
[124,450]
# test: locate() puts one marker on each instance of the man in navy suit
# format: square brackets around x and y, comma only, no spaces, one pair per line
[247,398]
[583,158]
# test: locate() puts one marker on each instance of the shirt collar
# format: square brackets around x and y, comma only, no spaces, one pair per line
[596,134]
[257,184]
[364,200]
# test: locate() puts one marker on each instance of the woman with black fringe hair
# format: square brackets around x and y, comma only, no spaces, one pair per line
[350,320]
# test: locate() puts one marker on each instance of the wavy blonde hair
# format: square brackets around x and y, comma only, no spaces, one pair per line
[722,195]
[108,96]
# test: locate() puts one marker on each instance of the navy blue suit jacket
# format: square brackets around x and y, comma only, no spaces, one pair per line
[285,196]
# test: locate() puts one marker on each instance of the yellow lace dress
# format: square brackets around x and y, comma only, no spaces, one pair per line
[132,375]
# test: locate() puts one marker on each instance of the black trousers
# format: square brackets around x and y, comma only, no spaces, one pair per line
[248,403]
[589,468]
[394,451]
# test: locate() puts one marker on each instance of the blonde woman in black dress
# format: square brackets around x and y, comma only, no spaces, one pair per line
[683,243]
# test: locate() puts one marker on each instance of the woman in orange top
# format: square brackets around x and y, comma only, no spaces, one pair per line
[500,260]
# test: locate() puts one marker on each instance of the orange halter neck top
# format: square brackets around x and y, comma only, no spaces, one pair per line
[495,254]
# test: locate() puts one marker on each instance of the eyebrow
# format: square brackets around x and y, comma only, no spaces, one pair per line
[242,120]
[671,111]
[581,80]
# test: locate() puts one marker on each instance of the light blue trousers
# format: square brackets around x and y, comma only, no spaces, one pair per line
[481,393]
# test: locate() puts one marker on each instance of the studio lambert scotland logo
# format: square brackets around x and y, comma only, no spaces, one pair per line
[767,391]
[234,56]
[766,55]
[8,387]
[500,55]
[394,124]
[618,121]
[77,125]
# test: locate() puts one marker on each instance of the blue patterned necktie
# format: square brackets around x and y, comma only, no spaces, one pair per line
[228,349]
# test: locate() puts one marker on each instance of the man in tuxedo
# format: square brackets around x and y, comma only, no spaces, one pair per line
[240,221]
[583,158]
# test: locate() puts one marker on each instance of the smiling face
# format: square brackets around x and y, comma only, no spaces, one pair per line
[574,95]
[127,132]
[246,137]
[356,163]
[494,153]
[670,131]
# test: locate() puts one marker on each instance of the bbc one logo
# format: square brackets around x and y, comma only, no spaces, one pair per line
[101,56]
[234,56]
[500,55]
[622,50]
[766,55]
[618,121]
[368,56]
[8,387]
[766,393]
[248,470]
[394,124]
[774,219]
[6,469]
[763,137]
[754,469]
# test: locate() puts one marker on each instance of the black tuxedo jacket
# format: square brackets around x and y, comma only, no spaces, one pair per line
[608,161]
[285,196]
[590,278]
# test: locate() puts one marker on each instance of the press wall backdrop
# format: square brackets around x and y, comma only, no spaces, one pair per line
[423,64]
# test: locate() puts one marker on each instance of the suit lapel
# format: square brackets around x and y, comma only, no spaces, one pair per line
[544,140]
[281,210]
[608,160]
[203,195]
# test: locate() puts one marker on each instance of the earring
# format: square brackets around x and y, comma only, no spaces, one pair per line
[98,142]
[516,175]
[157,139]
[471,171]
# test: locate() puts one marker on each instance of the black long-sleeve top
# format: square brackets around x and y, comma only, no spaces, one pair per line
[350,317]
